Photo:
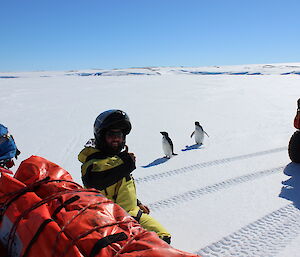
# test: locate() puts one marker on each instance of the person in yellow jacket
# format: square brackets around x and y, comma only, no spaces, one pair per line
[107,166]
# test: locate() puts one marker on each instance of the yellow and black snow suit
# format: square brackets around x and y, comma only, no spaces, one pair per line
[112,176]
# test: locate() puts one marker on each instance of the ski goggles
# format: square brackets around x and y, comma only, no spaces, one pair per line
[112,133]
[4,138]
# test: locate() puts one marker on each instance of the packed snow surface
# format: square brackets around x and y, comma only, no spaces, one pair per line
[236,195]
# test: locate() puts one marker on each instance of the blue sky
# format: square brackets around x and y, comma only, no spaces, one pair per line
[78,34]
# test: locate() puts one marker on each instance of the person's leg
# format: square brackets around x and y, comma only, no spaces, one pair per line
[151,224]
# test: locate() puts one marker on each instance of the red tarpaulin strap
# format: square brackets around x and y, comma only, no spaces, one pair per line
[5,170]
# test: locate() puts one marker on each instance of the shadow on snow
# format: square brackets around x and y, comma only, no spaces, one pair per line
[192,147]
[165,159]
[156,162]
[291,186]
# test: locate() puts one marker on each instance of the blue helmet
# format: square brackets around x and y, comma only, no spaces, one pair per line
[8,148]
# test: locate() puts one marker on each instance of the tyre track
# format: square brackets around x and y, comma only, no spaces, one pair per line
[186,169]
[265,237]
[196,193]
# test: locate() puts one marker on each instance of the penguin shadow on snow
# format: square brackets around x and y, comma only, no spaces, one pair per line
[192,147]
[156,162]
[291,187]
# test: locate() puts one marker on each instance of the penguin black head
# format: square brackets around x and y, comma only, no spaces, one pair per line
[164,133]
[197,123]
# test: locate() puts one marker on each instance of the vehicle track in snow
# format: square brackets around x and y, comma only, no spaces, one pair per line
[265,237]
[204,165]
[196,193]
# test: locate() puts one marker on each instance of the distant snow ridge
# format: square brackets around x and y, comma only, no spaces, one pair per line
[220,73]
[292,72]
[8,77]
[205,164]
[196,193]
[242,70]
[119,73]
[188,72]
[265,237]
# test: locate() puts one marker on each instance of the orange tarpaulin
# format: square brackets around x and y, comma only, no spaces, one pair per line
[45,213]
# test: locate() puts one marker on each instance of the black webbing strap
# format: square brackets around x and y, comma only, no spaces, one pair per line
[138,216]
[69,201]
[117,187]
[36,236]
[96,155]
[106,241]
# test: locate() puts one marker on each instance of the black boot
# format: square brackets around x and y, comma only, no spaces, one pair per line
[167,239]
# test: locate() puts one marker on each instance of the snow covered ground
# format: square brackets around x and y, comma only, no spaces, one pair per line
[237,195]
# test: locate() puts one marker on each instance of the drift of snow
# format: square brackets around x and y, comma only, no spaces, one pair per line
[236,195]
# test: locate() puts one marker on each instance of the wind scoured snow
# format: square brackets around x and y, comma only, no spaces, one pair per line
[225,198]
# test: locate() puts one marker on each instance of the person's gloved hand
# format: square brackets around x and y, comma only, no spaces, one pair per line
[132,156]
[144,208]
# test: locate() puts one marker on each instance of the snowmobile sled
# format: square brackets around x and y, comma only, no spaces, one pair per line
[294,143]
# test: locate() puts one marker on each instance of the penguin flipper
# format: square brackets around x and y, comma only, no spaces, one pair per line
[205,133]
[192,134]
[174,154]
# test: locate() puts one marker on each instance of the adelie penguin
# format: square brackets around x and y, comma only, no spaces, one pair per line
[167,145]
[199,133]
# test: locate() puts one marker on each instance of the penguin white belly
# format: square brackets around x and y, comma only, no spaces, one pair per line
[167,148]
[199,136]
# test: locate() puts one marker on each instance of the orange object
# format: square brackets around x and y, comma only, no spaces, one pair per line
[45,213]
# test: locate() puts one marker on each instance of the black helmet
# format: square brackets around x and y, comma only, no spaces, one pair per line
[109,120]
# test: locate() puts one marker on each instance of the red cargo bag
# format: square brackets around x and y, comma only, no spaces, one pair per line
[45,213]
